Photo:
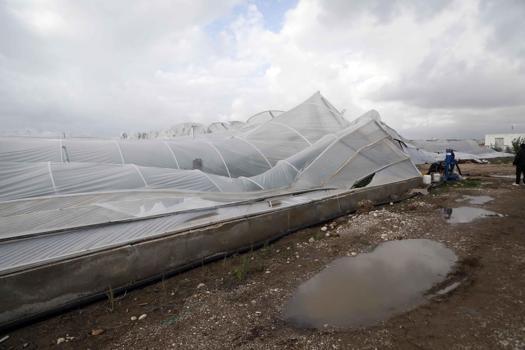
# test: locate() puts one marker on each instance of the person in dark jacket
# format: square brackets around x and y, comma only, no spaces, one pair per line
[519,162]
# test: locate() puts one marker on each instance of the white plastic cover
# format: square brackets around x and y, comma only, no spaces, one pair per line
[311,145]
[463,149]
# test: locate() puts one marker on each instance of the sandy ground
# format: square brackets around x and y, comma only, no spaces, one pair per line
[238,302]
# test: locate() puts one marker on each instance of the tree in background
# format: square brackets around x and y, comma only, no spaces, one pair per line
[516,144]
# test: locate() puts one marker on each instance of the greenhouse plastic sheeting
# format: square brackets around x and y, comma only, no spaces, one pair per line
[430,151]
[338,160]
[263,117]
[465,146]
[463,149]
[56,184]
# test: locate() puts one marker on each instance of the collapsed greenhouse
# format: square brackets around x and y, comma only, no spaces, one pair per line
[80,217]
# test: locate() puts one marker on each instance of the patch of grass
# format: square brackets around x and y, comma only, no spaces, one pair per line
[248,265]
[240,272]
[170,321]
[318,235]
[111,299]
[467,183]
[225,261]
[265,251]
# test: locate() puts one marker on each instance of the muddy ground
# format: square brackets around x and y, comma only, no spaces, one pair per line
[237,302]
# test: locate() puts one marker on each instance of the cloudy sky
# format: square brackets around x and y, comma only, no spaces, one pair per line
[431,68]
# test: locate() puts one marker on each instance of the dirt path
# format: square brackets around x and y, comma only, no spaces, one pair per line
[237,302]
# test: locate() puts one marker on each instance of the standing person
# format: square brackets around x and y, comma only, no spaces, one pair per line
[519,162]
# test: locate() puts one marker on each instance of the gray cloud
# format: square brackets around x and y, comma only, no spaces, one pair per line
[457,85]
[490,76]
[467,123]
[382,10]
[99,67]
[505,20]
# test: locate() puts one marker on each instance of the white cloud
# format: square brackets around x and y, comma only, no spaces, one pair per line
[100,67]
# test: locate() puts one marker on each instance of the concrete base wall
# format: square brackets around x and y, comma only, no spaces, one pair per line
[39,291]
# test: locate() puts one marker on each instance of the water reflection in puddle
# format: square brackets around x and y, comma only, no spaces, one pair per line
[363,290]
[464,215]
[476,200]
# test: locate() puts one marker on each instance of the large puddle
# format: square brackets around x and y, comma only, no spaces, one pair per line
[463,215]
[363,290]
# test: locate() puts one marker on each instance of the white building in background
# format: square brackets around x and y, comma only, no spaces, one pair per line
[501,141]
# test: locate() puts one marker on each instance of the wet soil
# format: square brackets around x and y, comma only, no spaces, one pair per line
[238,302]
